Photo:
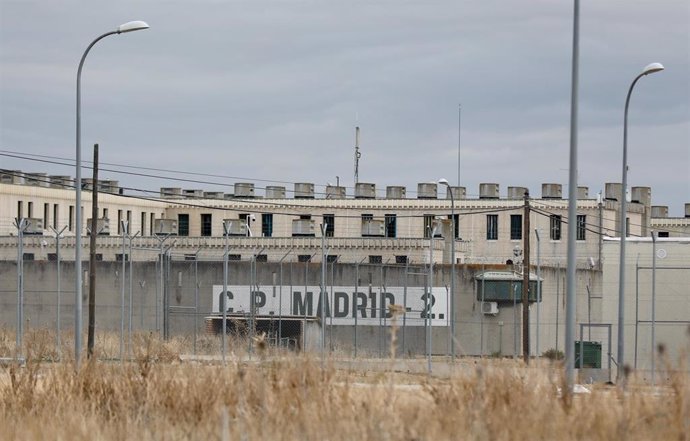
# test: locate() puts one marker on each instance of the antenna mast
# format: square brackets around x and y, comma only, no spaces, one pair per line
[357,154]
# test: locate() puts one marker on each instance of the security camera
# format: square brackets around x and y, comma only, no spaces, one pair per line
[252,217]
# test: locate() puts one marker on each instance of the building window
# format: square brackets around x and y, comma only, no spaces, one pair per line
[20,210]
[662,234]
[30,207]
[56,211]
[391,225]
[205,224]
[152,223]
[235,257]
[555,227]
[52,257]
[329,221]
[267,225]
[143,222]
[375,259]
[261,258]
[105,213]
[46,213]
[29,256]
[491,227]
[332,258]
[183,224]
[304,258]
[118,257]
[627,227]
[515,227]
[457,225]
[400,259]
[428,225]
[70,223]
[119,221]
[129,221]
[581,226]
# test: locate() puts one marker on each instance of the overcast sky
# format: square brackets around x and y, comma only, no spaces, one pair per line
[273,90]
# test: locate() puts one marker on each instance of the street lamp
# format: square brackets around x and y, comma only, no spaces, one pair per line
[444,181]
[649,69]
[126,27]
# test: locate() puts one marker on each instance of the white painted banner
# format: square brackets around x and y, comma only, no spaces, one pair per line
[371,307]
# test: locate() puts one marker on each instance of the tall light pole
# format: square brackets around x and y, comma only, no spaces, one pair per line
[651,68]
[572,208]
[452,267]
[127,27]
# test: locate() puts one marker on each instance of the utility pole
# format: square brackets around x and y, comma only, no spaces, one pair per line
[92,255]
[525,283]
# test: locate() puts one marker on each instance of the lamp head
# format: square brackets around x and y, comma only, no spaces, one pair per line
[651,68]
[131,26]
[443,181]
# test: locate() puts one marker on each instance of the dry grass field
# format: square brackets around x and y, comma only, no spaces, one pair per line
[283,396]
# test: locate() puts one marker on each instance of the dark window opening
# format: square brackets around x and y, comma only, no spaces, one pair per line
[234,257]
[457,225]
[183,224]
[375,259]
[391,225]
[515,227]
[332,258]
[329,221]
[206,224]
[663,234]
[581,226]
[261,258]
[400,259]
[304,258]
[491,227]
[267,225]
[555,227]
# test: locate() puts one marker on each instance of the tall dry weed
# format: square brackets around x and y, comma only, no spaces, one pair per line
[156,396]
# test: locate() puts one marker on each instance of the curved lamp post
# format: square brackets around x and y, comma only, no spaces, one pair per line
[444,181]
[649,69]
[127,27]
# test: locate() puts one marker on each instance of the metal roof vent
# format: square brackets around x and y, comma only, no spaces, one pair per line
[335,192]
[87,184]
[488,191]
[61,181]
[109,186]
[612,191]
[214,195]
[275,192]
[427,190]
[304,190]
[365,190]
[661,211]
[458,193]
[517,192]
[244,190]
[642,195]
[551,191]
[171,192]
[583,192]
[396,192]
[11,177]
[36,179]
[196,194]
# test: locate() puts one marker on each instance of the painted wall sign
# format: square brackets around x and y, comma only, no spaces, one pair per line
[371,307]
